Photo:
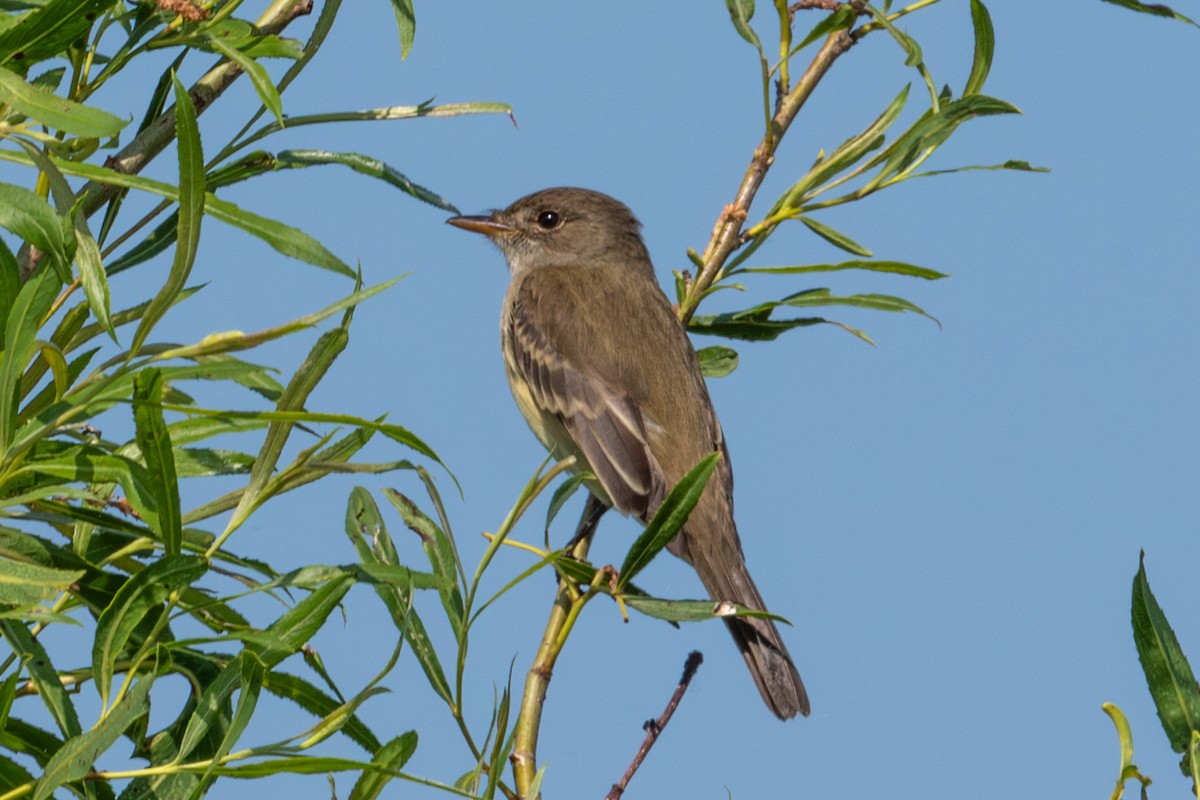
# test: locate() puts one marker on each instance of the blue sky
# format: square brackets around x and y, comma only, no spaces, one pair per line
[951,519]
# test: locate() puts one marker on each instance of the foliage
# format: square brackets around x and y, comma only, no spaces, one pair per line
[97,536]
[96,532]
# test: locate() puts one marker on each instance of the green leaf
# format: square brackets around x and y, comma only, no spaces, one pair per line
[79,754]
[263,84]
[283,238]
[893,267]
[292,631]
[985,47]
[369,535]
[439,549]
[364,165]
[319,704]
[839,20]
[23,584]
[692,610]
[390,758]
[717,362]
[845,156]
[1168,674]
[57,113]
[24,319]
[191,212]
[406,25]
[155,443]
[741,12]
[1157,9]
[298,765]
[322,355]
[562,494]
[668,519]
[752,325]
[48,30]
[836,238]
[142,594]
[37,663]
[30,217]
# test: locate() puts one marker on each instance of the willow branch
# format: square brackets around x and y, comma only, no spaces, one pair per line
[726,235]
[537,680]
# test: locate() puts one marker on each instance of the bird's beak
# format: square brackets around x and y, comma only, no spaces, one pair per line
[488,226]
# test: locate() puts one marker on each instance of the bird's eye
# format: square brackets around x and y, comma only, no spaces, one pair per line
[547,220]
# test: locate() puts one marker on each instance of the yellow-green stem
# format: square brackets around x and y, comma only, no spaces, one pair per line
[567,603]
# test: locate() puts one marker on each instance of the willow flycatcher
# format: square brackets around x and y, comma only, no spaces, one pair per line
[602,369]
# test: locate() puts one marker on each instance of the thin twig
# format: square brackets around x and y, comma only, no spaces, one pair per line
[654,727]
[726,235]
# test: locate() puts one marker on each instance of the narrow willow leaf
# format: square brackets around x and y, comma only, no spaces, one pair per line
[13,775]
[55,112]
[319,704]
[439,549]
[668,519]
[154,440]
[565,491]
[322,355]
[369,535]
[1012,164]
[500,751]
[87,251]
[836,238]
[692,610]
[291,631]
[20,338]
[1168,674]
[24,584]
[31,218]
[741,12]
[284,238]
[141,594]
[258,75]
[47,30]
[717,361]
[191,212]
[406,25]
[751,325]
[36,662]
[1157,9]
[390,759]
[298,765]
[985,47]
[90,465]
[893,267]
[839,20]
[242,36]
[364,165]
[845,156]
[79,754]
[878,302]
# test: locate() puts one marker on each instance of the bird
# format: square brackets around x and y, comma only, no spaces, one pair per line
[602,369]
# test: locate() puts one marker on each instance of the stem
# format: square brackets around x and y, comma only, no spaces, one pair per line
[726,235]
[567,603]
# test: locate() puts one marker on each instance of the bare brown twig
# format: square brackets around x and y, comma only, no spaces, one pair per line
[654,727]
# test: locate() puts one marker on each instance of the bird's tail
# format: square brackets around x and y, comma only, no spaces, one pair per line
[725,577]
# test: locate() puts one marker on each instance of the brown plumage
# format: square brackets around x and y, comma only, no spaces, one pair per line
[627,400]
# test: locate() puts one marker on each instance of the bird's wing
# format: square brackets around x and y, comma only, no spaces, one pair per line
[607,426]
